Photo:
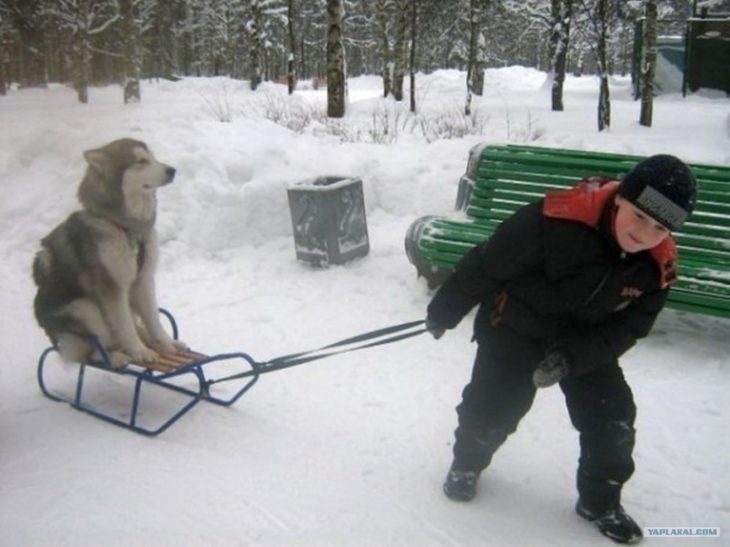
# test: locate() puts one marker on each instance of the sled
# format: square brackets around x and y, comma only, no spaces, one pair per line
[189,377]
[184,374]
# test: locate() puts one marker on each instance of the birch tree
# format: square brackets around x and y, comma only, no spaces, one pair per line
[335,60]
[601,22]
[561,14]
[648,63]
[475,70]
[600,14]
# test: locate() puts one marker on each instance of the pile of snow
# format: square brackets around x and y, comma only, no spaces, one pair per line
[351,450]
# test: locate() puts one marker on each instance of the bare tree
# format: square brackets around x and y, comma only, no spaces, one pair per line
[134,14]
[648,63]
[335,60]
[85,19]
[601,13]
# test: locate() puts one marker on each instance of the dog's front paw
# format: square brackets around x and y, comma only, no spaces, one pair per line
[142,355]
[118,359]
[180,346]
[168,346]
[114,358]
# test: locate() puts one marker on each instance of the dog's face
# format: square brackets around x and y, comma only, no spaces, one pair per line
[122,178]
[145,173]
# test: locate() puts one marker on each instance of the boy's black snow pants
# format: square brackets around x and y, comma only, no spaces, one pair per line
[501,391]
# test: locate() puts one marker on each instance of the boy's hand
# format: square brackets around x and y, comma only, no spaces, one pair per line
[436,331]
[552,369]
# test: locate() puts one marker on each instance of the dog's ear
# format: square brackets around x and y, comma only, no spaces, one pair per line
[97,160]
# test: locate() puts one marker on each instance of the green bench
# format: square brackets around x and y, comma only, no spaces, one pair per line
[501,178]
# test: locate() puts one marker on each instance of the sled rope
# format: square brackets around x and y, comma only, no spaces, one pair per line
[387,335]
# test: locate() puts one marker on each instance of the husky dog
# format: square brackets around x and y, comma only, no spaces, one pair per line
[95,271]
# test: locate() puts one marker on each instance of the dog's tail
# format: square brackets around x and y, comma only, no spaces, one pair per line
[67,333]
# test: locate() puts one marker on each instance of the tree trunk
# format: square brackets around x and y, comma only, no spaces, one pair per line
[3,77]
[291,77]
[400,50]
[604,100]
[475,70]
[33,62]
[386,65]
[131,52]
[414,19]
[562,12]
[256,44]
[648,64]
[81,65]
[335,60]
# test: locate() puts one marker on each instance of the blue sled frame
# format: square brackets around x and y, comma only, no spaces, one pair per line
[195,368]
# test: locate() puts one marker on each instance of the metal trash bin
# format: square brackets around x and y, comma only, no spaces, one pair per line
[328,217]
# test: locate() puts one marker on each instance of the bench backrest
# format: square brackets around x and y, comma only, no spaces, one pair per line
[507,177]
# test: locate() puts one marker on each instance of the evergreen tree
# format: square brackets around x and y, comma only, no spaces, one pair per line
[28,19]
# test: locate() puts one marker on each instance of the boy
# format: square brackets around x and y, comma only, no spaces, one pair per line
[566,286]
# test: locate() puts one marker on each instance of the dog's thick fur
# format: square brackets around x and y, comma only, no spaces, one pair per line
[95,271]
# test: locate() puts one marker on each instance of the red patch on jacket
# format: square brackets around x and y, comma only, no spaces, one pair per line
[586,202]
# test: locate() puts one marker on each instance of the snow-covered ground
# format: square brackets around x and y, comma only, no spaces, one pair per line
[351,450]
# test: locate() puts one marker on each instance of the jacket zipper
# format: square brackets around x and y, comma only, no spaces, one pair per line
[602,282]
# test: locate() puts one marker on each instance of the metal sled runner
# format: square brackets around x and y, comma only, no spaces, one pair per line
[187,377]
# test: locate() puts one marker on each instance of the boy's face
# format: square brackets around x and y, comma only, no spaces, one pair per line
[636,231]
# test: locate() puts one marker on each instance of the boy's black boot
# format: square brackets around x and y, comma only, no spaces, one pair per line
[613,523]
[461,485]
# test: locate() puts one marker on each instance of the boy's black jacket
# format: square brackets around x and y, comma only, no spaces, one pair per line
[562,283]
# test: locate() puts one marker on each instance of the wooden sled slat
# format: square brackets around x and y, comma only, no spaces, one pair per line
[171,361]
